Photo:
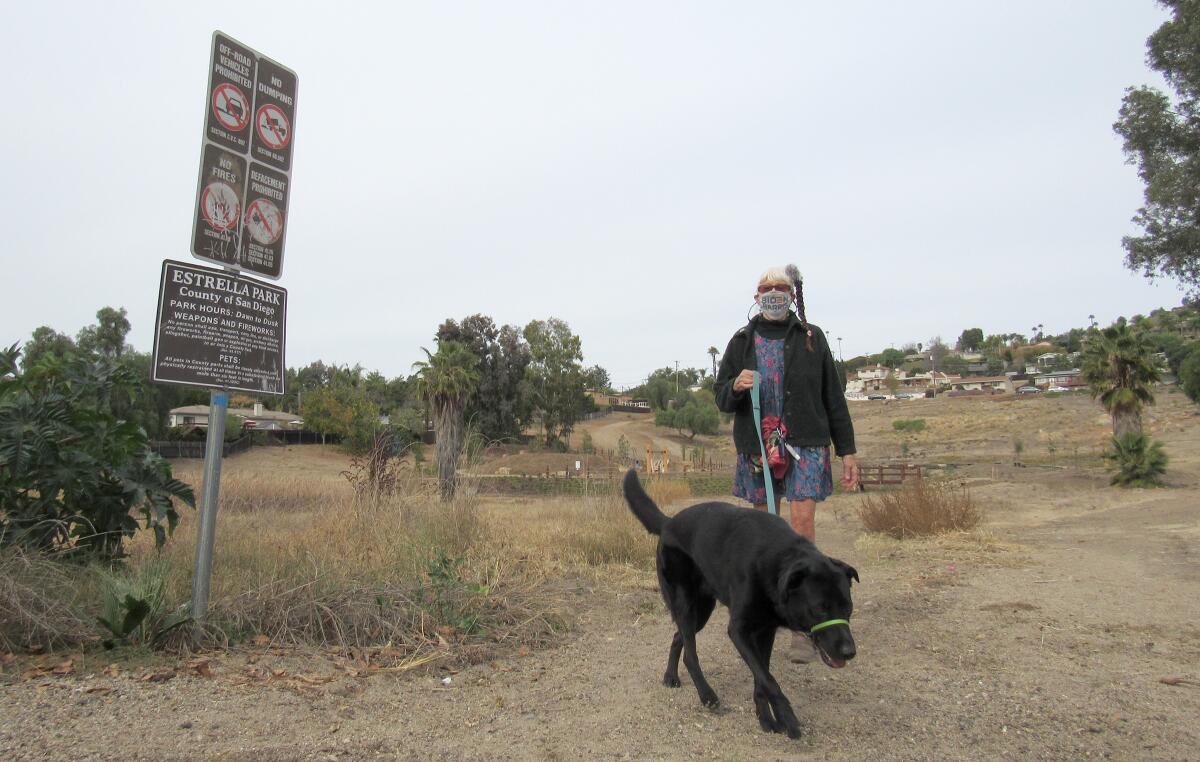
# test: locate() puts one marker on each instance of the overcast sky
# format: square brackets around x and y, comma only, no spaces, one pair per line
[629,167]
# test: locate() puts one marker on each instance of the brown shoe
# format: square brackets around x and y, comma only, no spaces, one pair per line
[803,651]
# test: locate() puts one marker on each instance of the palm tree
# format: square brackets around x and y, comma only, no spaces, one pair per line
[713,351]
[446,381]
[1121,368]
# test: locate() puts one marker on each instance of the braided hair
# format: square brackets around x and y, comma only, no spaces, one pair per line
[797,280]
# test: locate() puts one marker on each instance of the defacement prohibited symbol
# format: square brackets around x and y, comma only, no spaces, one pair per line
[264,221]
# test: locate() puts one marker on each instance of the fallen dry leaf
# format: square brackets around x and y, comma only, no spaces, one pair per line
[200,667]
[101,689]
[34,673]
[113,670]
[64,667]
[1176,680]
[7,658]
[160,676]
[260,640]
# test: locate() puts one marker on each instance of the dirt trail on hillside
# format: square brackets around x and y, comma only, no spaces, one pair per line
[1051,641]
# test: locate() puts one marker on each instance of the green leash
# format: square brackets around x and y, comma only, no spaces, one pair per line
[768,479]
[818,627]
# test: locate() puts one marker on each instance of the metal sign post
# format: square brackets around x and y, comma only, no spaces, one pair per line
[217,328]
[206,533]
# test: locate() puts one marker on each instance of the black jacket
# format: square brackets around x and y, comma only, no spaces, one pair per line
[814,405]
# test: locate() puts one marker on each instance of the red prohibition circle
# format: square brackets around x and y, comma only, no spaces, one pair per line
[216,188]
[262,209]
[235,118]
[279,130]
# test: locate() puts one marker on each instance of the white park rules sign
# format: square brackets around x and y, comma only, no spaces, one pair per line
[241,212]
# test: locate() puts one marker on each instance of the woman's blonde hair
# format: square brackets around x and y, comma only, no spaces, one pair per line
[791,275]
[774,275]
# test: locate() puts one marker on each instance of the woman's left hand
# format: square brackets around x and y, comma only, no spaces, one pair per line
[849,472]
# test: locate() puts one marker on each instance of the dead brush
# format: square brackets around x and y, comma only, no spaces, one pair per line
[920,508]
[39,602]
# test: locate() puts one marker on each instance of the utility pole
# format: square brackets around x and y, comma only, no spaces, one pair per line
[676,378]
[840,359]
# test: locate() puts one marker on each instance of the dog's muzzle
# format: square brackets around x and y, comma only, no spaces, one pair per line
[838,647]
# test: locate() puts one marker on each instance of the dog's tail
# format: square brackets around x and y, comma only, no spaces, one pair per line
[641,504]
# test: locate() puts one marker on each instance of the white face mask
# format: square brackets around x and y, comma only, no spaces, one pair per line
[774,305]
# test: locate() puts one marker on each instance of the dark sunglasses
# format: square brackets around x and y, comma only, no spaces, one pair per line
[764,288]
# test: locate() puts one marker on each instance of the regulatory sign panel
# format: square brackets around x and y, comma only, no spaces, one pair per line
[240,214]
[220,330]
[264,222]
[274,115]
[220,205]
[231,76]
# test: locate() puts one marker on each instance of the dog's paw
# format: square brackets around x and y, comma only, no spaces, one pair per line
[709,699]
[793,730]
[671,680]
[768,724]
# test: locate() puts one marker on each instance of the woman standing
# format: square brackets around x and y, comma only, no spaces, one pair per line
[802,403]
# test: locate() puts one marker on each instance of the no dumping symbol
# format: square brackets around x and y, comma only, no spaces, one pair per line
[219,205]
[230,108]
[272,125]
[264,221]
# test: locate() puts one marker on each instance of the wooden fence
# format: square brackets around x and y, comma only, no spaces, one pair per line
[887,474]
[196,449]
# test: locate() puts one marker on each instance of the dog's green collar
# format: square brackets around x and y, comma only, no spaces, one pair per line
[823,625]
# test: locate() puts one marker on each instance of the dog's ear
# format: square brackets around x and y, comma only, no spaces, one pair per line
[791,578]
[850,571]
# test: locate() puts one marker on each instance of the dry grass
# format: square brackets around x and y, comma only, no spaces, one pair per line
[977,546]
[39,603]
[920,508]
[301,560]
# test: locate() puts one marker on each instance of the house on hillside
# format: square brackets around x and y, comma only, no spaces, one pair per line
[256,417]
[1071,379]
[994,384]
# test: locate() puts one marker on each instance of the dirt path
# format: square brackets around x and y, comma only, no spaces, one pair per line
[639,430]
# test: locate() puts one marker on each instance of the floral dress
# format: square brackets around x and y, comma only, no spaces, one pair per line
[810,477]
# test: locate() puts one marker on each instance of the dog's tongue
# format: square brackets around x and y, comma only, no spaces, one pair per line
[832,661]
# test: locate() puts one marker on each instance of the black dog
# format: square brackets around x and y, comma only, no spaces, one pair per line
[766,574]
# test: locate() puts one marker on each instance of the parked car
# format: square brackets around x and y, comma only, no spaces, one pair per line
[876,397]
[905,396]
[1029,390]
[1058,389]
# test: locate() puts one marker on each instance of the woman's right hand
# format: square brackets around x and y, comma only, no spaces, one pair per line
[744,381]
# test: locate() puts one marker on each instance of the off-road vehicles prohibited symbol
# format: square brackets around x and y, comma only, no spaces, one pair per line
[220,206]
[264,221]
[230,107]
[273,128]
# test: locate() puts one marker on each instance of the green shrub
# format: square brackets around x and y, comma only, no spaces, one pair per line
[909,424]
[708,486]
[1136,460]
[1189,374]
[72,473]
